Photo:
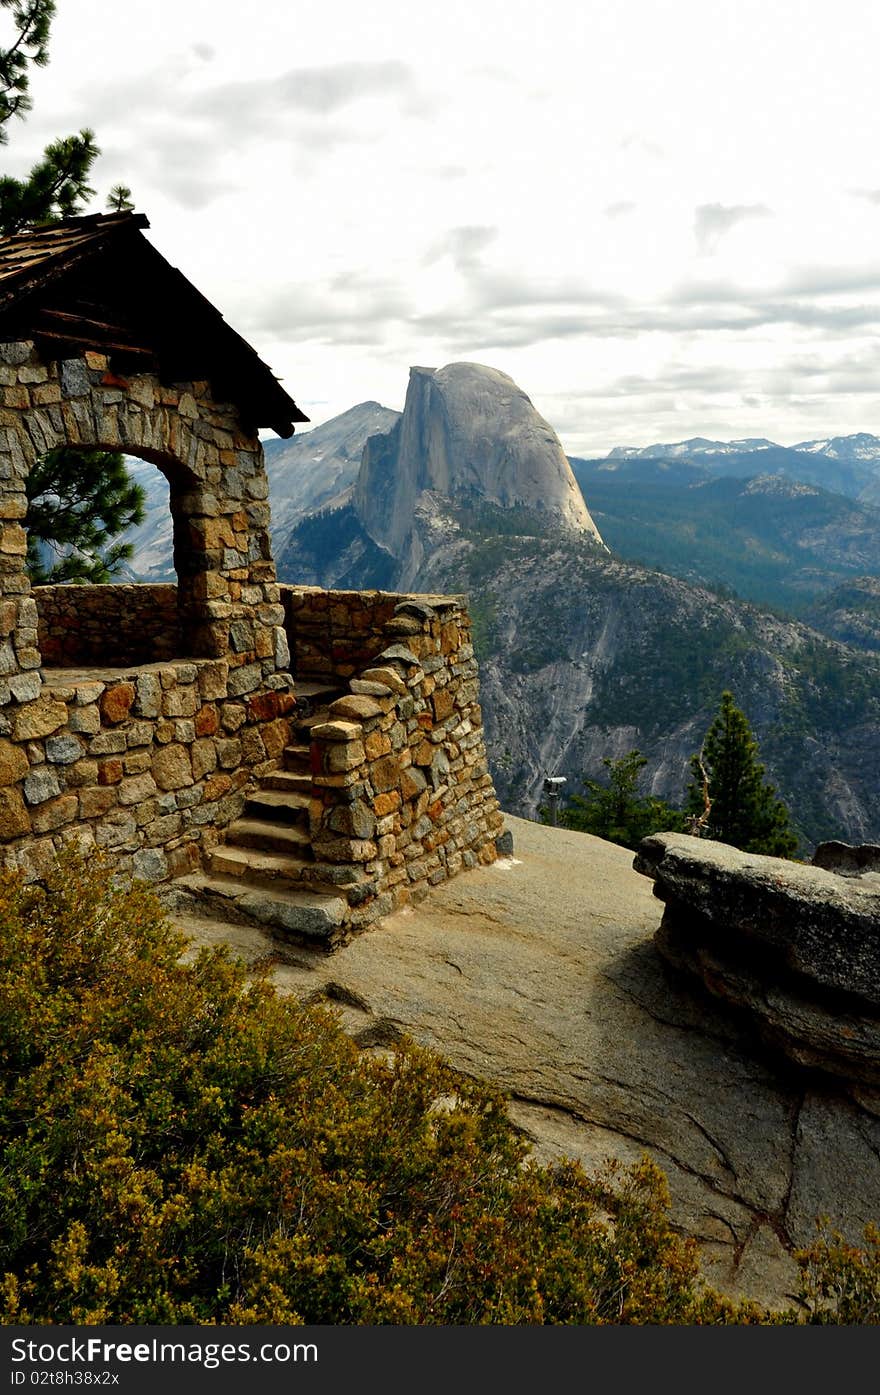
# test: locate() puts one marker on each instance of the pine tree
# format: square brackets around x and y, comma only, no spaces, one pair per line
[78,502]
[614,811]
[31,21]
[729,793]
[119,199]
[57,186]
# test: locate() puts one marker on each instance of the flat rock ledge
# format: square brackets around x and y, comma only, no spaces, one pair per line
[797,947]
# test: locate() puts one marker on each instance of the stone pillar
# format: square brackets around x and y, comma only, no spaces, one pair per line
[19,655]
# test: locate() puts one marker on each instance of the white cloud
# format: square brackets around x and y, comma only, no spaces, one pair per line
[712,221]
[660,220]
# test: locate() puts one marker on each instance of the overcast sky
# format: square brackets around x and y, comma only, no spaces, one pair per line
[660,217]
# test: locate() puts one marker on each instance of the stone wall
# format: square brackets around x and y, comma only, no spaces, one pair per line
[334,633]
[78,626]
[151,755]
[149,766]
[228,599]
[402,797]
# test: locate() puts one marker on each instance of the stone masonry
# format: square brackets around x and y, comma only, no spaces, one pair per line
[148,760]
[161,724]
[401,795]
[108,625]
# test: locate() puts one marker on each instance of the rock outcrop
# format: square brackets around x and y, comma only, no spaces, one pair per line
[317,469]
[468,435]
[797,947]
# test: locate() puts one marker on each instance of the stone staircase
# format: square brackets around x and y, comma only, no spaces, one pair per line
[265,872]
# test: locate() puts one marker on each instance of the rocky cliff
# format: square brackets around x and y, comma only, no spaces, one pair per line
[583,657]
[468,435]
[317,469]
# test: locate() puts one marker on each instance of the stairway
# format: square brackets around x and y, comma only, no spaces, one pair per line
[265,871]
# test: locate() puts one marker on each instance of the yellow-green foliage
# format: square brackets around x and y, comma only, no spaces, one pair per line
[840,1283]
[180,1144]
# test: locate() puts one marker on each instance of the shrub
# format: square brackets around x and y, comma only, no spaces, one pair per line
[840,1283]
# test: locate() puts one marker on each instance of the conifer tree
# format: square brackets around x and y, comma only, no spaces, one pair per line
[78,501]
[728,791]
[57,186]
[615,811]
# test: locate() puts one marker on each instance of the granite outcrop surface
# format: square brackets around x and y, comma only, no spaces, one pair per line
[540,973]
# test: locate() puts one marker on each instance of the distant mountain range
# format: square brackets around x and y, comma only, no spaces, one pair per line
[860,447]
[847,465]
[584,654]
[768,537]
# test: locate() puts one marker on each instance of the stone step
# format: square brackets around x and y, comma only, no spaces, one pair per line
[297,757]
[307,916]
[303,725]
[295,782]
[268,836]
[317,692]
[247,864]
[280,806]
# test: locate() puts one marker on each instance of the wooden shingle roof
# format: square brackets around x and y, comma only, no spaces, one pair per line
[97,283]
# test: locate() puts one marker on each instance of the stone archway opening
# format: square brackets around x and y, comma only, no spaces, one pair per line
[127,620]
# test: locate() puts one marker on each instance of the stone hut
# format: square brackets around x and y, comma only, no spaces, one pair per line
[164,723]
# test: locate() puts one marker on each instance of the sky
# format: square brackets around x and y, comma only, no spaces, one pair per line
[660,217]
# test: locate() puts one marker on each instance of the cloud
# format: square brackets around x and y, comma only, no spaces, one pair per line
[633,141]
[712,221]
[353,308]
[617,210]
[463,245]
[317,91]
[871,195]
[185,135]
[832,280]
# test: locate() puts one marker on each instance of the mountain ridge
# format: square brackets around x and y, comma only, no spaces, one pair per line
[584,656]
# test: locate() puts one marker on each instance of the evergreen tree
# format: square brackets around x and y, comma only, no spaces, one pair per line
[31,21]
[614,811]
[119,199]
[78,501]
[728,792]
[58,184]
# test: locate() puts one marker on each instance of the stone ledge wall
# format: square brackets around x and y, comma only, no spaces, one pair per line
[150,766]
[402,797]
[334,633]
[108,625]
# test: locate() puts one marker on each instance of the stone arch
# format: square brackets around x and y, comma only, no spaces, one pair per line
[228,600]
